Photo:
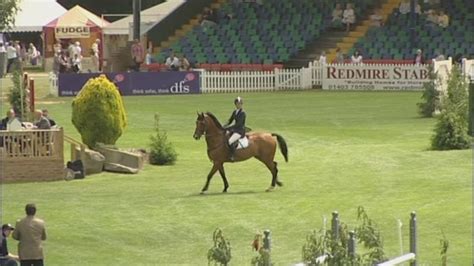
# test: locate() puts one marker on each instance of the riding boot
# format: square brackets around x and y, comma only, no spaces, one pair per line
[232,148]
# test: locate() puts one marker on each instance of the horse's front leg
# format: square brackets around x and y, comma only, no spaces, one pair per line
[222,172]
[209,177]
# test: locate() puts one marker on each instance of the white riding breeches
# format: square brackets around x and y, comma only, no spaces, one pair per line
[234,138]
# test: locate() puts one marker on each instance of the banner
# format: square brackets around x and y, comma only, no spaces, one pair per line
[136,83]
[72,32]
[374,77]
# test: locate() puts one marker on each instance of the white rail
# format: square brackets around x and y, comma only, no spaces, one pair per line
[404,258]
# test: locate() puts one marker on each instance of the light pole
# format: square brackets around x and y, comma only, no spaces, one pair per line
[137,7]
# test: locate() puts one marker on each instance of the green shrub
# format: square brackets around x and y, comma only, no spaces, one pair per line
[98,112]
[321,242]
[15,96]
[431,97]
[161,151]
[451,130]
[220,253]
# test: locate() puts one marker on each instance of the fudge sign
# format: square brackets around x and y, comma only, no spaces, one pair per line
[72,32]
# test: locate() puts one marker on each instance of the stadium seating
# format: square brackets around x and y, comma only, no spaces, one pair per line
[257,34]
[393,41]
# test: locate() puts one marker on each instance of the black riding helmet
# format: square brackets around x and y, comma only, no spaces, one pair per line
[238,100]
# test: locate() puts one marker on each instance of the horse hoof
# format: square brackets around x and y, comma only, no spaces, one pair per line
[270,189]
[203,192]
[280,184]
[225,190]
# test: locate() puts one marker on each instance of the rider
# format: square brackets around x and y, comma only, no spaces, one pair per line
[237,130]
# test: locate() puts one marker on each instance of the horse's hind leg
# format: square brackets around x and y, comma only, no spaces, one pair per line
[278,182]
[224,179]
[209,177]
[272,166]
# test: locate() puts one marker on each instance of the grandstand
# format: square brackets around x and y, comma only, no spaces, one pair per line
[293,33]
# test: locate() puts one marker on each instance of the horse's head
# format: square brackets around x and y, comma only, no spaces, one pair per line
[200,126]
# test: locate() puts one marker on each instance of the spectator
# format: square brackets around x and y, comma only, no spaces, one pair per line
[12,57]
[95,56]
[41,122]
[46,115]
[6,258]
[356,58]
[419,59]
[443,19]
[148,57]
[3,59]
[20,51]
[323,58]
[57,47]
[64,64]
[376,19]
[71,50]
[439,56]
[57,63]
[337,16]
[431,17]
[184,64]
[172,62]
[76,63]
[348,16]
[10,121]
[404,7]
[33,55]
[209,18]
[339,56]
[77,50]
[30,232]
[138,55]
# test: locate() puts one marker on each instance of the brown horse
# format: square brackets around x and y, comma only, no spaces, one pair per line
[261,146]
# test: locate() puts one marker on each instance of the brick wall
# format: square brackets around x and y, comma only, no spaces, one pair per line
[31,169]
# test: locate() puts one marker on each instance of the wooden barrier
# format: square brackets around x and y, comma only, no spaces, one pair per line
[32,155]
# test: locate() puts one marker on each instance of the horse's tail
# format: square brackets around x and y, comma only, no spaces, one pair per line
[283,146]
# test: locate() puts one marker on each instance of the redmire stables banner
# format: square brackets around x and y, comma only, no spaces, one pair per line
[374,77]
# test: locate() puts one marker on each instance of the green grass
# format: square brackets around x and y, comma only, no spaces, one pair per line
[345,148]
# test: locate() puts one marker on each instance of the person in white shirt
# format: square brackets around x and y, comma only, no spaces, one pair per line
[95,56]
[376,19]
[33,55]
[443,19]
[172,62]
[76,63]
[12,57]
[3,59]
[356,58]
[348,17]
[323,58]
[337,16]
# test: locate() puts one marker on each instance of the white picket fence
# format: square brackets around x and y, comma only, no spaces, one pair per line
[244,81]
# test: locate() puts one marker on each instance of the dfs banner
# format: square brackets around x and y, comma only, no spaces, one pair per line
[136,83]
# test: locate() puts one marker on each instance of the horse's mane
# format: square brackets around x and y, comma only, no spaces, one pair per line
[214,118]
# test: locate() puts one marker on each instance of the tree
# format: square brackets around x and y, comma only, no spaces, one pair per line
[8,9]
[451,130]
[98,112]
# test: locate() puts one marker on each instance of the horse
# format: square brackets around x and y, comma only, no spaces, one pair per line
[262,146]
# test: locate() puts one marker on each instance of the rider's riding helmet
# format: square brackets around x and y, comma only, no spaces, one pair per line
[238,100]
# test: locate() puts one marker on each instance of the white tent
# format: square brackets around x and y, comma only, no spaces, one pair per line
[148,17]
[34,14]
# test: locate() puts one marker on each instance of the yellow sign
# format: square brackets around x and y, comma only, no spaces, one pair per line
[72,32]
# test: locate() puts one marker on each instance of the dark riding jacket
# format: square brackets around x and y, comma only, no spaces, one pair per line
[239,126]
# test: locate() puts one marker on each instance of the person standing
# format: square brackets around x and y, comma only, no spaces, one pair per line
[30,232]
[237,129]
[12,57]
[138,55]
[95,56]
[3,59]
[6,258]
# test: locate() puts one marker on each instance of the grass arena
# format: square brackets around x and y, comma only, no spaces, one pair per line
[346,149]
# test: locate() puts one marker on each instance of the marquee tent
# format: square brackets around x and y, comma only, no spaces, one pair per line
[77,24]
[34,14]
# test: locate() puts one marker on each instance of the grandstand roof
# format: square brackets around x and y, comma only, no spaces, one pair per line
[149,18]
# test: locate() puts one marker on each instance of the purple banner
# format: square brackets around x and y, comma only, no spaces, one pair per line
[136,83]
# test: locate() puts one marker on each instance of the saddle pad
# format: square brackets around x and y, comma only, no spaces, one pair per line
[243,143]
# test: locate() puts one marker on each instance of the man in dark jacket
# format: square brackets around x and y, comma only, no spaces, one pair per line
[237,129]
[6,258]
